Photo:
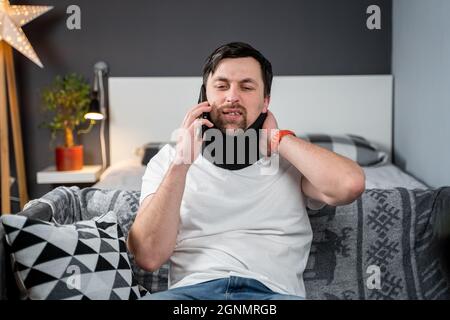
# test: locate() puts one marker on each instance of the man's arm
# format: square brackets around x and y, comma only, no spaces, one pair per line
[327,176]
[152,237]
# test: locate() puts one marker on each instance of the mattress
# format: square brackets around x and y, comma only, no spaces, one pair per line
[389,176]
[127,175]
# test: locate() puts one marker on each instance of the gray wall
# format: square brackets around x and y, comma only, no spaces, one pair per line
[172,38]
[421,66]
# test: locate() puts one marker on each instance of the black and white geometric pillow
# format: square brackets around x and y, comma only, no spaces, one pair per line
[84,260]
[354,147]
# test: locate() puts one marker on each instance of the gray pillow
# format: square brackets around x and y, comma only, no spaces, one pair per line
[351,146]
[84,260]
[354,147]
[147,151]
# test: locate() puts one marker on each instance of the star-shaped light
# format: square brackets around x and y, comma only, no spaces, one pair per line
[12,18]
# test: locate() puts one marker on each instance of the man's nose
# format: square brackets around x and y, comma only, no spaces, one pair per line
[232,96]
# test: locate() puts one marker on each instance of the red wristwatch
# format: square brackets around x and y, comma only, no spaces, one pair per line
[276,139]
[283,133]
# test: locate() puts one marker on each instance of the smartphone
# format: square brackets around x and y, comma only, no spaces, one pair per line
[202,98]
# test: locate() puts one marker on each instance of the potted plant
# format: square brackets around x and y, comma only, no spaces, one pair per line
[67,100]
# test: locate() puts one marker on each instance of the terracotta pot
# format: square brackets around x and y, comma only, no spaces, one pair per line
[68,159]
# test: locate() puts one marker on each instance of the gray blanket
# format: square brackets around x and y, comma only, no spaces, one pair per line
[390,231]
[379,247]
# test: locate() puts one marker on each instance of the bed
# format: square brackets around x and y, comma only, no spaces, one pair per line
[147,110]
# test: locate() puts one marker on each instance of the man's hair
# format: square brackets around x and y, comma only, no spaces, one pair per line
[239,50]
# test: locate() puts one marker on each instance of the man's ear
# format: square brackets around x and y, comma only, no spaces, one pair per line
[266,104]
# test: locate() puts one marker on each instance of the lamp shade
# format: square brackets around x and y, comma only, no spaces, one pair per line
[94,112]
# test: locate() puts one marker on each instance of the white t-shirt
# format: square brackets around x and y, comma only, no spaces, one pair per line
[249,223]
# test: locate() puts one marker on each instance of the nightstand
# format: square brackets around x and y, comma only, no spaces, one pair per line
[84,177]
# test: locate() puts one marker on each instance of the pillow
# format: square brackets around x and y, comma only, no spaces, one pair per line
[380,247]
[88,203]
[147,151]
[353,147]
[84,260]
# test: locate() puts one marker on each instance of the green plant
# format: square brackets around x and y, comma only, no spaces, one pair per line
[67,100]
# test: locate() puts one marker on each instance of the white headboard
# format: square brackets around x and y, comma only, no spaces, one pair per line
[149,109]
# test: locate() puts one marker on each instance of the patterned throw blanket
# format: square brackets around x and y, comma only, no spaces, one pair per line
[381,246]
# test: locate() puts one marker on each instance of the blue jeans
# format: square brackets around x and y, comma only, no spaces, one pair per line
[232,288]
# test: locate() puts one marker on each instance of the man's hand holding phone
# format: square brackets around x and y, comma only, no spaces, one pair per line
[189,139]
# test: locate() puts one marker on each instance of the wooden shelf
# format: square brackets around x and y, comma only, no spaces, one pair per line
[89,174]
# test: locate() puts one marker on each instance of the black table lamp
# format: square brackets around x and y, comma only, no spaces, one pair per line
[97,108]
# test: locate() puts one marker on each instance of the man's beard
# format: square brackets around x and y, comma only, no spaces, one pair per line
[219,118]
[230,149]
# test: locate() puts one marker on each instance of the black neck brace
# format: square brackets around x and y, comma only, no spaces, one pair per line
[241,146]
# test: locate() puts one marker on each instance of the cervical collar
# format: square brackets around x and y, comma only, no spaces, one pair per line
[243,147]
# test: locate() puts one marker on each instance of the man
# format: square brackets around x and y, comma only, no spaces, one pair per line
[231,232]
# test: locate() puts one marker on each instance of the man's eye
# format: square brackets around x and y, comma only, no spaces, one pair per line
[248,88]
[220,87]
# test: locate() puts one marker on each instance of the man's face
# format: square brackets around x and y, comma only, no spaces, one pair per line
[236,93]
